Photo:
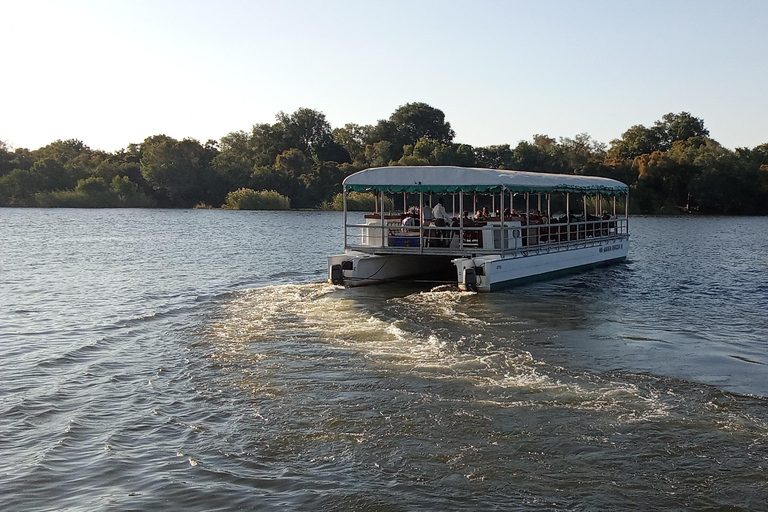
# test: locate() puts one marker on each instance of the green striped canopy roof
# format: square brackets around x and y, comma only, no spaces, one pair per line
[442,179]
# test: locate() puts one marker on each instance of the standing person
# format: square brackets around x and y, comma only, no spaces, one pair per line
[439,213]
[441,219]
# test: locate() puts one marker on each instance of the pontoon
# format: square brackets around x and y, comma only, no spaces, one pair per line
[537,225]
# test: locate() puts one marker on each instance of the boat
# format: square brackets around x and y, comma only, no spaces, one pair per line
[537,225]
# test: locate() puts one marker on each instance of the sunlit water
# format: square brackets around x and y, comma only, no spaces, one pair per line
[195,360]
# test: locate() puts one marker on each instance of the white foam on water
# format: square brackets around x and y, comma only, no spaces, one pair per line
[314,312]
[324,313]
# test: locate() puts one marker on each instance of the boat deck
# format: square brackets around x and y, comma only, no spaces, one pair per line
[511,238]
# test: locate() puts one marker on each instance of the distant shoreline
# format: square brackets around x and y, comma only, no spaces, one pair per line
[300,162]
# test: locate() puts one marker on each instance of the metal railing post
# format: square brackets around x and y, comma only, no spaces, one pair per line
[344,207]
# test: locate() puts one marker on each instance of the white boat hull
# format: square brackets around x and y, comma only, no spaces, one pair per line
[480,273]
[359,268]
[488,273]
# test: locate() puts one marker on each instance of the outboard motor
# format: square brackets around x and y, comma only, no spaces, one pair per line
[337,275]
[470,279]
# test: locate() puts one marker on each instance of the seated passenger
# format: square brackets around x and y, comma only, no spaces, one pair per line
[412,218]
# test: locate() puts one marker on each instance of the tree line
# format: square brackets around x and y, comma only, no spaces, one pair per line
[671,166]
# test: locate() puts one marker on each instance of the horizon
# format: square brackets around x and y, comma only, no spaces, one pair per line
[114,74]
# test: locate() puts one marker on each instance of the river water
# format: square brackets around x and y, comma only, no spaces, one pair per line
[196,360]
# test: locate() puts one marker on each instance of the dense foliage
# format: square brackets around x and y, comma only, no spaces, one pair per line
[671,166]
[361,202]
[248,199]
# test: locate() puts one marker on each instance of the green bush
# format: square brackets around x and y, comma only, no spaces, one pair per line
[248,199]
[94,192]
[361,202]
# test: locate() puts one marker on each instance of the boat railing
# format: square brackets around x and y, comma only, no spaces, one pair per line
[493,236]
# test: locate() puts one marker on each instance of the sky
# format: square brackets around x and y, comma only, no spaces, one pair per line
[115,72]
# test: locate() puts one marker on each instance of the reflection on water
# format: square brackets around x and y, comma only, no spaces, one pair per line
[187,360]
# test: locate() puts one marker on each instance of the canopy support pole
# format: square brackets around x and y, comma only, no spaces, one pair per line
[344,207]
[383,231]
[461,221]
[503,237]
[626,213]
[421,222]
[568,214]
[527,218]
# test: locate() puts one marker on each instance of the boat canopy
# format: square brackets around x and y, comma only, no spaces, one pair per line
[441,179]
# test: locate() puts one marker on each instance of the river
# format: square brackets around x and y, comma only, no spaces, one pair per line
[197,360]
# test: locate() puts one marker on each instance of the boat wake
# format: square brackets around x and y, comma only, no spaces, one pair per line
[435,336]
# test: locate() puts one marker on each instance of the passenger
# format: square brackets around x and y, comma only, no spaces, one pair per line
[440,215]
[426,216]
[412,218]
[466,219]
[486,213]
[478,215]
[442,219]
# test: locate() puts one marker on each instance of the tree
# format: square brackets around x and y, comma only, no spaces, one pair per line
[543,155]
[6,159]
[324,181]
[581,154]
[235,162]
[430,152]
[380,153]
[636,141]
[19,186]
[414,121]
[64,151]
[179,169]
[682,126]
[663,182]
[309,131]
[494,157]
[639,140]
[353,138]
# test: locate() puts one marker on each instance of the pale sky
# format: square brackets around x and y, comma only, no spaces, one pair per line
[113,72]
